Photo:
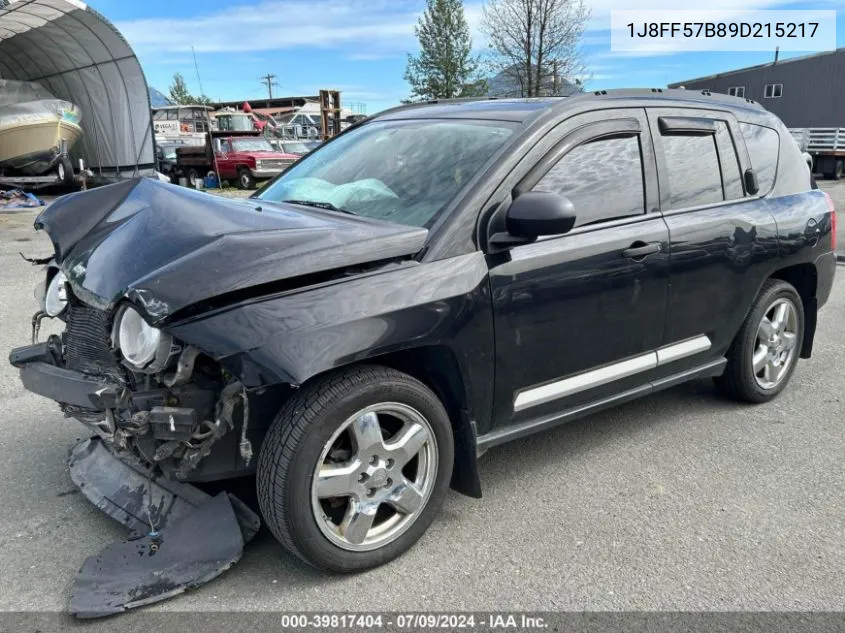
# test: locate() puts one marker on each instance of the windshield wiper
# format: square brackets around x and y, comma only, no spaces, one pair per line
[319,205]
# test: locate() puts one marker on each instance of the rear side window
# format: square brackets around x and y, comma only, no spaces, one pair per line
[603,179]
[730,163]
[692,165]
[763,145]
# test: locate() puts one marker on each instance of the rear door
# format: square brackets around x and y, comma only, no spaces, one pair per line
[721,238]
[577,316]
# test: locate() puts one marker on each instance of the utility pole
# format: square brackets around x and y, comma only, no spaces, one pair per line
[270,80]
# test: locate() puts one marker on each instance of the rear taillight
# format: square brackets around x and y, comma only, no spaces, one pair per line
[832,210]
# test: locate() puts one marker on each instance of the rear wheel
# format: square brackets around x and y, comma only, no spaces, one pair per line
[355,467]
[245,179]
[764,354]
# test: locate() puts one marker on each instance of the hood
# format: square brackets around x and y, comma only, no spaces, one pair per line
[270,154]
[166,247]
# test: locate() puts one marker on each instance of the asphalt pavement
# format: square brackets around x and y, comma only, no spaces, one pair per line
[679,501]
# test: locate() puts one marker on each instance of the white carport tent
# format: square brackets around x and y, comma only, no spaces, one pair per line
[76,54]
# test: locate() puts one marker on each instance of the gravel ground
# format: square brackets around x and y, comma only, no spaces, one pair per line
[680,501]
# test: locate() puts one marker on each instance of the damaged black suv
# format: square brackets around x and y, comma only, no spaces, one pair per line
[436,280]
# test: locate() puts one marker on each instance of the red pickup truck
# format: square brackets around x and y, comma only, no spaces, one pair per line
[245,157]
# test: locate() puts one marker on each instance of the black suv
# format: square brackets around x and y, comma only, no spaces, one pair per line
[434,281]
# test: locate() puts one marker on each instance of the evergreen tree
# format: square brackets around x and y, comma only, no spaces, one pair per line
[445,67]
[179,93]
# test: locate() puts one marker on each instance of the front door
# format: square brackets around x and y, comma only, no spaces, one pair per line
[225,162]
[578,316]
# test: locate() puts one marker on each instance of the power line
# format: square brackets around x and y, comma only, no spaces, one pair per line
[270,80]
[197,68]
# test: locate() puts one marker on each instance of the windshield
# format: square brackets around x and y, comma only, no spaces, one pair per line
[235,122]
[398,171]
[295,148]
[252,145]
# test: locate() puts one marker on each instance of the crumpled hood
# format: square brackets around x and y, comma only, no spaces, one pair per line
[166,247]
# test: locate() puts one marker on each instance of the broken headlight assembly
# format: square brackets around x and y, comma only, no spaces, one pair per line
[143,347]
[51,294]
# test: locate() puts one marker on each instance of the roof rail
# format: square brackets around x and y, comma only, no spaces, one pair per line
[459,100]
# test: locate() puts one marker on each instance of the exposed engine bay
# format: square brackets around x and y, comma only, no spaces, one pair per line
[159,399]
[157,408]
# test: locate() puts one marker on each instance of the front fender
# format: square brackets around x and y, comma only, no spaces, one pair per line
[292,337]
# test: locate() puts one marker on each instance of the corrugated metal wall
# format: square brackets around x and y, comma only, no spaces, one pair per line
[813,89]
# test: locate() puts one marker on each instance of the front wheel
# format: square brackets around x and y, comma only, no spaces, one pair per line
[764,353]
[245,179]
[355,467]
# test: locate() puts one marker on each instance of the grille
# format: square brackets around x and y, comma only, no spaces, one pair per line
[275,163]
[87,346]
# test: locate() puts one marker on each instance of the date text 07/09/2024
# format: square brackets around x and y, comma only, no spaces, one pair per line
[412,621]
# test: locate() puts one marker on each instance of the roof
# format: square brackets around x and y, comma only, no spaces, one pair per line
[780,62]
[264,102]
[183,106]
[525,110]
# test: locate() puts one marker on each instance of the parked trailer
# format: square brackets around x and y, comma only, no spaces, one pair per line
[827,147]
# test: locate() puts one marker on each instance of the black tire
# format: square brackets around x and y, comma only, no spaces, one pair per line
[294,444]
[245,179]
[739,380]
[64,170]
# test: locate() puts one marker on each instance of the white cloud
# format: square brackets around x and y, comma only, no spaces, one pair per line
[373,25]
[364,29]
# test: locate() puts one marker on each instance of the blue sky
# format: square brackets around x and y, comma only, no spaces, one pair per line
[360,46]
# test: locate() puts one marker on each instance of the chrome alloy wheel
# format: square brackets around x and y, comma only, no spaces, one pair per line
[374,476]
[774,351]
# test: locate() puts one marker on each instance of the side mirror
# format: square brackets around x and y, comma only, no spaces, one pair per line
[536,213]
[751,185]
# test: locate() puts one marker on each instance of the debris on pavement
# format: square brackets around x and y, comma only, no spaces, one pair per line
[19,199]
[181,537]
[163,564]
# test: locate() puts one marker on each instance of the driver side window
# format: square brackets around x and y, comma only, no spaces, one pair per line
[602,178]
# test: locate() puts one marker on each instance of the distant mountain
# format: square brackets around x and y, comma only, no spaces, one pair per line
[157,99]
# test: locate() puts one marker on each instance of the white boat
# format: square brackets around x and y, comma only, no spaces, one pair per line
[35,128]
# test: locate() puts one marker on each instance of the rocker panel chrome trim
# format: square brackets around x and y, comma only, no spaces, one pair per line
[542,394]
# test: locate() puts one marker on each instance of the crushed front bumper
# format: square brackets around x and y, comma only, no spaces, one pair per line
[41,374]
[132,495]
[182,537]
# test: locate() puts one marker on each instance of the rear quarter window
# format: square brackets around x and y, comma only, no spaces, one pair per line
[763,145]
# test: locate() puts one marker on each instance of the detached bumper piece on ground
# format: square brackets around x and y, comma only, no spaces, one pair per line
[182,538]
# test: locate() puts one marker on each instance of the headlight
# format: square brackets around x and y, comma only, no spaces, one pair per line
[55,301]
[140,343]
